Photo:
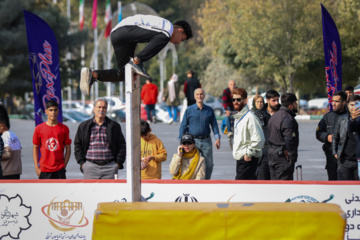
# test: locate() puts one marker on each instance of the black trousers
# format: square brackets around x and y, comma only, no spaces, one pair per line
[347,170]
[331,164]
[263,170]
[53,175]
[280,167]
[246,170]
[15,176]
[124,41]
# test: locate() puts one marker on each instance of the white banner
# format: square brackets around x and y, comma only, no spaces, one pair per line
[35,209]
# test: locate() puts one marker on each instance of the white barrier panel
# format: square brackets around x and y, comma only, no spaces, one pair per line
[35,209]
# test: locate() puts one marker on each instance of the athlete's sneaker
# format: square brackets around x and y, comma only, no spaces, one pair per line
[139,69]
[86,81]
[154,119]
[230,134]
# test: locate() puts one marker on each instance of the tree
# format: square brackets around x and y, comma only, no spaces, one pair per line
[272,39]
[14,65]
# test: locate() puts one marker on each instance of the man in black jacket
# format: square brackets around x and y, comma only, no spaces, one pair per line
[191,84]
[344,145]
[100,146]
[325,131]
[272,105]
[283,139]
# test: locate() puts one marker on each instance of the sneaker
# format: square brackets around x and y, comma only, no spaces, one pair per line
[171,121]
[229,135]
[139,69]
[86,81]
[154,119]
[148,121]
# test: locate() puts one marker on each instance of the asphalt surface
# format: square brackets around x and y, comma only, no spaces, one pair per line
[311,156]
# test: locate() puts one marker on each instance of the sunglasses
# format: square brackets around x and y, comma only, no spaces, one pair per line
[237,99]
[187,143]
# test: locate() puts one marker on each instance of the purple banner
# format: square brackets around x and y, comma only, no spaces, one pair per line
[44,65]
[333,60]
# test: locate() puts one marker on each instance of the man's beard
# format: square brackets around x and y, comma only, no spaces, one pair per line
[275,107]
[295,110]
[239,107]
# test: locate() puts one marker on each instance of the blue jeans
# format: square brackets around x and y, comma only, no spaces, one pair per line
[150,108]
[228,121]
[175,112]
[205,149]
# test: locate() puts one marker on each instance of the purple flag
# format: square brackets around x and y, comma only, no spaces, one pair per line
[44,65]
[333,60]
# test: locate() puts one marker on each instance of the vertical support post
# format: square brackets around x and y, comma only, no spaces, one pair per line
[133,140]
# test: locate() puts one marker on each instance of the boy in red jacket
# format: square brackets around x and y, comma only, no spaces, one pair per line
[149,94]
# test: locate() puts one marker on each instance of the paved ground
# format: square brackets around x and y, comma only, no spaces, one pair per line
[311,156]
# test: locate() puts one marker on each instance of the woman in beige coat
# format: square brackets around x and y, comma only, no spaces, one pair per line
[171,95]
[187,164]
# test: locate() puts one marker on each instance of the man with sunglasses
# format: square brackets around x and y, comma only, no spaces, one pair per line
[248,137]
[197,121]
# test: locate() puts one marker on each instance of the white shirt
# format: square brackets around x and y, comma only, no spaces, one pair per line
[150,22]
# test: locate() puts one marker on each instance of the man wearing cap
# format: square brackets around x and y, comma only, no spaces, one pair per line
[149,94]
[197,121]
[190,85]
[187,164]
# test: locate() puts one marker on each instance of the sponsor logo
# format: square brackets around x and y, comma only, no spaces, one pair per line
[65,215]
[186,198]
[304,198]
[14,216]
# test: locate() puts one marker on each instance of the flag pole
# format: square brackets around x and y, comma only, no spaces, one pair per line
[94,24]
[121,84]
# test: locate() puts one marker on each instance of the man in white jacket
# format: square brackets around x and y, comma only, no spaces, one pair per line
[248,137]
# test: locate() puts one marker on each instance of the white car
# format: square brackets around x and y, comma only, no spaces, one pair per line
[318,103]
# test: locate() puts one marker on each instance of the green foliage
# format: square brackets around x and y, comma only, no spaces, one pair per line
[14,65]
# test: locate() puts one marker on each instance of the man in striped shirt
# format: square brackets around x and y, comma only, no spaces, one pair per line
[100,146]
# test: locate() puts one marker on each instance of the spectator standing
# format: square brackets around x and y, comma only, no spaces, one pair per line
[197,121]
[349,90]
[344,143]
[228,105]
[272,105]
[125,36]
[325,132]
[11,158]
[248,137]
[354,125]
[191,84]
[171,96]
[258,103]
[100,147]
[52,137]
[187,164]
[149,94]
[153,152]
[283,139]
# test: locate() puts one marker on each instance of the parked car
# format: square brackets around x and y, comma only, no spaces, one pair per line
[161,114]
[318,103]
[114,103]
[118,115]
[76,115]
[304,104]
[78,106]
[215,103]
